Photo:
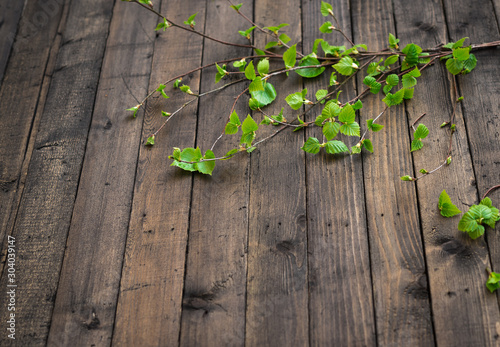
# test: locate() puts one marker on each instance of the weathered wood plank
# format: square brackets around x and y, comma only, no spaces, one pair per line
[10,15]
[88,287]
[215,285]
[46,206]
[22,96]
[340,289]
[455,262]
[277,291]
[481,104]
[398,268]
[153,271]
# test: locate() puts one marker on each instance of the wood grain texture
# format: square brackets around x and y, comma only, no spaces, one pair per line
[10,15]
[88,287]
[215,284]
[153,271]
[46,206]
[455,262]
[481,106]
[340,290]
[22,96]
[277,291]
[398,268]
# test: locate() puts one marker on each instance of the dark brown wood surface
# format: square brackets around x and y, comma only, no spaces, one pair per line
[277,247]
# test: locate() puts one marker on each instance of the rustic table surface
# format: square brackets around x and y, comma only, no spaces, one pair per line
[278,248]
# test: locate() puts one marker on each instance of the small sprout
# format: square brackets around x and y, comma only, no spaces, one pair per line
[186,89]
[444,124]
[460,99]
[151,141]
[493,282]
[408,178]
[448,160]
[453,126]
[177,81]
[424,171]
[134,109]
[165,114]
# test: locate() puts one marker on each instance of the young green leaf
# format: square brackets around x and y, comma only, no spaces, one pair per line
[289,57]
[358,105]
[296,100]
[247,138]
[367,144]
[233,118]
[493,282]
[391,60]
[311,145]
[372,126]
[256,85]
[263,67]
[331,129]
[320,94]
[247,32]
[327,27]
[191,155]
[284,38]
[315,46]
[346,66]
[165,114]
[264,97]
[408,93]
[461,53]
[333,79]
[134,109]
[394,99]
[206,167]
[332,50]
[236,7]
[311,72]
[373,84]
[249,125]
[350,129]
[163,25]
[392,80]
[393,41]
[347,114]
[334,147]
[446,207]
[191,21]
[331,110]
[151,140]
[231,128]
[409,81]
[454,66]
[416,144]
[421,132]
[271,44]
[470,63]
[176,83]
[326,9]
[250,72]
[407,178]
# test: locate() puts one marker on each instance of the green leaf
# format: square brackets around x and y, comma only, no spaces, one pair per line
[320,94]
[259,51]
[250,72]
[459,43]
[454,66]
[184,166]
[251,149]
[231,152]
[332,50]
[486,202]
[264,97]
[271,44]
[326,27]
[373,84]
[206,167]
[387,88]
[134,109]
[372,126]
[415,72]
[367,144]
[248,138]
[315,45]
[407,178]
[467,223]
[326,8]
[289,57]
[249,125]
[493,282]
[393,41]
[165,114]
[409,81]
[236,7]
[350,129]
[256,85]
[470,63]
[296,100]
[233,118]
[163,25]
[394,99]
[391,60]
[421,132]
[176,154]
[416,145]
[334,147]
[190,20]
[331,129]
[311,145]
[247,32]
[331,110]
[408,93]
[284,38]
[191,155]
[276,28]
[186,89]
[356,149]
[347,114]
[412,52]
[151,141]
[312,72]
[446,207]
[263,67]
[358,105]
[333,79]
[392,80]
[346,66]
[479,231]
[176,83]
[461,53]
[218,77]
[231,128]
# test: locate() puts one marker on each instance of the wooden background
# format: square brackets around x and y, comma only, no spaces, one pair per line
[277,248]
